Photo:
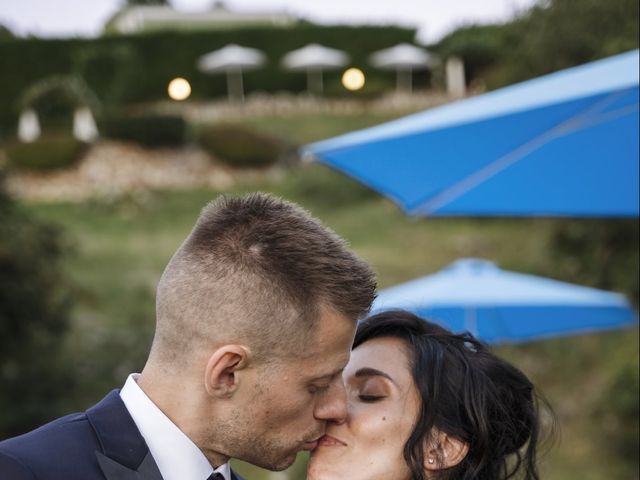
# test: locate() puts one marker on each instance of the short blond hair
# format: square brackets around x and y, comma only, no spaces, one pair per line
[256,269]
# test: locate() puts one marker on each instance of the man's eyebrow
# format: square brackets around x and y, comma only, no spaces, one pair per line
[328,376]
[372,372]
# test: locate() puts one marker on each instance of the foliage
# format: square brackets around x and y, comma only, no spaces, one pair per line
[34,308]
[109,69]
[55,98]
[481,47]
[49,152]
[146,63]
[617,414]
[239,146]
[150,130]
[5,33]
[552,35]
[611,247]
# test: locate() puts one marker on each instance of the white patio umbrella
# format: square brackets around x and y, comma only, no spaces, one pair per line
[313,59]
[403,58]
[233,60]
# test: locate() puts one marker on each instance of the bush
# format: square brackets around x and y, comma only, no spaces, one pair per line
[241,147]
[49,152]
[149,130]
[35,377]
[617,415]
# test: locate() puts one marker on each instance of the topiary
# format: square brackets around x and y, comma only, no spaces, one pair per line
[149,130]
[239,146]
[49,152]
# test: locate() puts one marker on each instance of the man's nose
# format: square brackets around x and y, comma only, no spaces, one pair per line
[332,405]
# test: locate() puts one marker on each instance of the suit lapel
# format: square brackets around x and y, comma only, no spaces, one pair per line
[148,470]
[124,455]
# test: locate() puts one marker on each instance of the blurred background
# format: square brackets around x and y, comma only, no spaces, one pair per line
[120,120]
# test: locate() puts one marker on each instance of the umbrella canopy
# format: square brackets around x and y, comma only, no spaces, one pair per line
[565,144]
[314,56]
[314,59]
[403,58]
[232,60]
[231,57]
[500,306]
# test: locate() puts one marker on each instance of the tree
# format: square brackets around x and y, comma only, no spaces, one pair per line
[552,35]
[5,33]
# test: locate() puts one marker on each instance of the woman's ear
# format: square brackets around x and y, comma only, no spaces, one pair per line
[221,373]
[444,451]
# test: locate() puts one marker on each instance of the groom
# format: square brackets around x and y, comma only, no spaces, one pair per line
[256,313]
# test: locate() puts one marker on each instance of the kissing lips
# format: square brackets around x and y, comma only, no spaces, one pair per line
[329,441]
[312,444]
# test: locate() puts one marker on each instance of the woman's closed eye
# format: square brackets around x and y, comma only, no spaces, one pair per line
[373,389]
[371,398]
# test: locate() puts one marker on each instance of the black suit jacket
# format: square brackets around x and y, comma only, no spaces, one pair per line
[102,443]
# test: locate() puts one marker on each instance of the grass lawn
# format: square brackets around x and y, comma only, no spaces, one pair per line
[120,248]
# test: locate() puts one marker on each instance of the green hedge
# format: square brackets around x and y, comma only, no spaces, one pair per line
[239,146]
[49,152]
[147,130]
[137,68]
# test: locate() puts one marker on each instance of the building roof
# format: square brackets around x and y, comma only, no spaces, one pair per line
[143,18]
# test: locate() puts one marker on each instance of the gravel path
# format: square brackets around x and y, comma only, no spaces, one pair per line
[111,169]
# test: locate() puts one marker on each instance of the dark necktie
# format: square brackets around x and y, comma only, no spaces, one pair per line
[215,476]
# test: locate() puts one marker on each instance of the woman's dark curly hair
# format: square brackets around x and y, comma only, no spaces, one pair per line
[468,393]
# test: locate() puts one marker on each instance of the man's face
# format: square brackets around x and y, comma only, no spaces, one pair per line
[289,403]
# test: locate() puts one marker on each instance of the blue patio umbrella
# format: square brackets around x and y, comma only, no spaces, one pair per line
[565,144]
[498,306]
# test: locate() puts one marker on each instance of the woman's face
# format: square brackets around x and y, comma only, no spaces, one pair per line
[382,410]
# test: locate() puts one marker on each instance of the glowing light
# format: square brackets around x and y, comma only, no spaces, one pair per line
[353,79]
[179,89]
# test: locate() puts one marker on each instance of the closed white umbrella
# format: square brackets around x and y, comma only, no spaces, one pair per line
[403,58]
[313,59]
[28,126]
[233,60]
[84,125]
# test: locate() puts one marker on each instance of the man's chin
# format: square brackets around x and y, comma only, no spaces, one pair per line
[277,466]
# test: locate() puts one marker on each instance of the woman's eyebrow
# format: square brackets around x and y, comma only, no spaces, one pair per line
[372,372]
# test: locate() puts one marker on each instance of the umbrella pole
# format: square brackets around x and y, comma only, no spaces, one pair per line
[235,88]
[403,80]
[314,80]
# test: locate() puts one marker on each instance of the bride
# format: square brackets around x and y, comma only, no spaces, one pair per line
[425,404]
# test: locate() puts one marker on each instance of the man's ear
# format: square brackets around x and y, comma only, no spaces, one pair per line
[444,451]
[220,376]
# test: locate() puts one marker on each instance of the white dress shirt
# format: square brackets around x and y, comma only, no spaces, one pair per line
[177,457]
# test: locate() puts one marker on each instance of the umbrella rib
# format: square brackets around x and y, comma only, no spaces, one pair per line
[476,178]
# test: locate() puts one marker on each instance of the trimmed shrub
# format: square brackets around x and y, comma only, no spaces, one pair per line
[239,146]
[49,152]
[150,130]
